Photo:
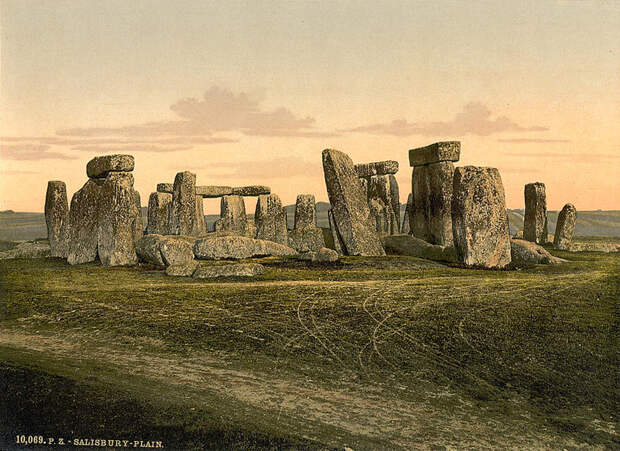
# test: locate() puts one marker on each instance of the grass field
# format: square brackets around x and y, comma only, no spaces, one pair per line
[381,353]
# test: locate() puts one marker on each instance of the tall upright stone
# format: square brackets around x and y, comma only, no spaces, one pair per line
[158,213]
[233,217]
[305,236]
[184,215]
[350,206]
[201,221]
[405,227]
[57,218]
[138,227]
[432,176]
[384,188]
[479,219]
[305,211]
[535,222]
[565,227]
[84,223]
[270,219]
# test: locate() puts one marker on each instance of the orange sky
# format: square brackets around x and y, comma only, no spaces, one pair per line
[251,92]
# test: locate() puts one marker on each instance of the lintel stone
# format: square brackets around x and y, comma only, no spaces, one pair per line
[439,151]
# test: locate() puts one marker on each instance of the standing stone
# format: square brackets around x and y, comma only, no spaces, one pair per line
[305,212]
[165,188]
[338,244]
[350,206]
[184,213]
[384,188]
[270,219]
[565,227]
[117,216]
[440,178]
[405,228]
[381,215]
[138,225]
[535,223]
[57,218]
[158,213]
[419,215]
[201,221]
[305,236]
[232,215]
[100,167]
[83,223]
[395,202]
[479,219]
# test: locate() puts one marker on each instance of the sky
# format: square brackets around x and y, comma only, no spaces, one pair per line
[246,92]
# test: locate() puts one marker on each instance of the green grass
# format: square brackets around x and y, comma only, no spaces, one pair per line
[370,353]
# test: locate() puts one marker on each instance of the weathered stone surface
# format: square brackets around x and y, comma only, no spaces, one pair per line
[535,222]
[99,167]
[350,206]
[30,249]
[165,188]
[182,269]
[415,247]
[376,168]
[57,218]
[201,221]
[525,252]
[158,213]
[479,218]
[165,250]
[224,247]
[184,215]
[263,248]
[148,250]
[306,239]
[138,229]
[252,190]
[384,188]
[565,227]
[395,202]
[270,219]
[83,223]
[325,255]
[232,216]
[213,191]
[117,217]
[236,270]
[337,240]
[405,228]
[440,179]
[382,215]
[305,211]
[439,151]
[419,218]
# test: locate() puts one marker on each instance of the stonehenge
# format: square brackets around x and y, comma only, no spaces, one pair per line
[57,218]
[479,219]
[430,217]
[565,227]
[535,222]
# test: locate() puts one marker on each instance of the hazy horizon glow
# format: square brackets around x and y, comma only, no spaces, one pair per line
[251,92]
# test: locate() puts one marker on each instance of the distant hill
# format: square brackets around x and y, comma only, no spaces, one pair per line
[17,226]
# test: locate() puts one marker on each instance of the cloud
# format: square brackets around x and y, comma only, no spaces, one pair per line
[271,169]
[31,152]
[16,172]
[475,119]
[532,140]
[218,110]
[568,156]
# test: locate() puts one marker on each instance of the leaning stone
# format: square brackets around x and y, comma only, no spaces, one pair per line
[439,151]
[117,216]
[306,239]
[252,190]
[535,222]
[27,250]
[305,211]
[377,168]
[525,252]
[99,167]
[184,215]
[57,218]
[158,213]
[232,216]
[479,218]
[565,228]
[225,247]
[236,270]
[349,206]
[213,191]
[182,269]
[83,223]
[165,188]
[415,247]
[337,240]
[405,228]
[270,219]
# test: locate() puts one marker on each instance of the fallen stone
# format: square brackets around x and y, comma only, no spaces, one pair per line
[83,223]
[565,227]
[165,188]
[252,190]
[99,167]
[526,253]
[159,203]
[305,211]
[184,215]
[263,248]
[415,247]
[225,247]
[270,219]
[213,191]
[479,218]
[182,269]
[57,218]
[148,250]
[236,270]
[535,222]
[439,151]
[349,203]
[405,227]
[306,239]
[366,170]
[36,249]
[325,255]
[232,216]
